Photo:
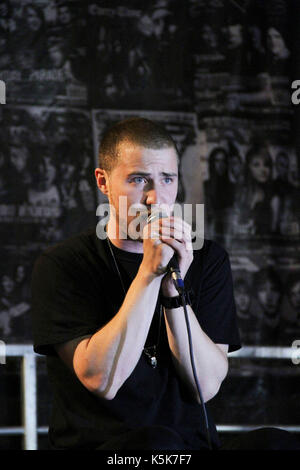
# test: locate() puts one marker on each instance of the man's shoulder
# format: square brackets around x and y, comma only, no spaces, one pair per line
[75,242]
[210,249]
[211,258]
[79,248]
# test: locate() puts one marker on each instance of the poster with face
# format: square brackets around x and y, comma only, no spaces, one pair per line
[47,194]
[241,54]
[45,52]
[250,180]
[139,55]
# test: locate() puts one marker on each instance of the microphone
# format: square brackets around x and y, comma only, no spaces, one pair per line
[173,265]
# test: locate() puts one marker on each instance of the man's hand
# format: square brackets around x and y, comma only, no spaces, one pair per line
[176,233]
[156,253]
[163,238]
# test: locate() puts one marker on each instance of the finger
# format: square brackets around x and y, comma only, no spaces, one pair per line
[177,224]
[183,237]
[185,241]
[177,246]
[170,232]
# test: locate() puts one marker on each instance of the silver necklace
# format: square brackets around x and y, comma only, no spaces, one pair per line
[150,351]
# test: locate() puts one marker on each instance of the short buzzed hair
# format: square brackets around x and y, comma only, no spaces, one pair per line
[136,130]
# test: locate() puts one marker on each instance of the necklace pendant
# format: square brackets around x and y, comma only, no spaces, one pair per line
[153,361]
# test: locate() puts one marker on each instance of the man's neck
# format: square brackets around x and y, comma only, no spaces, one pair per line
[126,244]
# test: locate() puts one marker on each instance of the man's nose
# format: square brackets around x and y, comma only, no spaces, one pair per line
[153,195]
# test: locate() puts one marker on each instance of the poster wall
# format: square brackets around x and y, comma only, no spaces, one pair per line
[217,74]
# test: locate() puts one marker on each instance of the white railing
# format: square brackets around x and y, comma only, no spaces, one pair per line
[29,429]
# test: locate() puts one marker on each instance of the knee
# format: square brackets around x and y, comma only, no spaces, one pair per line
[268,438]
[277,439]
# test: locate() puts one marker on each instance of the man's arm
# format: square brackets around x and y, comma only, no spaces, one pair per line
[210,359]
[103,361]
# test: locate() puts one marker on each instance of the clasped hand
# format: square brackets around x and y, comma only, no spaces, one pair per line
[161,239]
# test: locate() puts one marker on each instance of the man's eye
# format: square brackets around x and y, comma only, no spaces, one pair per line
[138,179]
[168,180]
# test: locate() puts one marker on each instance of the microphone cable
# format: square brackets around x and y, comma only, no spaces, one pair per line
[194,371]
[179,285]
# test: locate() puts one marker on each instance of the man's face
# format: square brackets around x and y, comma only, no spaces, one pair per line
[145,25]
[33,20]
[269,298]
[158,19]
[47,171]
[19,156]
[7,284]
[64,15]
[20,273]
[67,170]
[275,41]
[145,176]
[220,163]
[242,299]
[235,36]
[56,55]
[209,36]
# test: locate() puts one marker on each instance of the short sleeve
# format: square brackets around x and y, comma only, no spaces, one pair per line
[216,308]
[62,305]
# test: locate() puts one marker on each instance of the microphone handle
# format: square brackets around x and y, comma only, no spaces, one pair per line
[176,275]
[173,265]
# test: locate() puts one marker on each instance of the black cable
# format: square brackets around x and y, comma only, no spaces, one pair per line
[194,370]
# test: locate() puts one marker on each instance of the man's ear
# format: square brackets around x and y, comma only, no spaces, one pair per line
[102,180]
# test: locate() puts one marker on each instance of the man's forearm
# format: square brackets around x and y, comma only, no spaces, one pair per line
[210,361]
[104,361]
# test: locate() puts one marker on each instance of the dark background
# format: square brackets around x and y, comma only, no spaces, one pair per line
[218,75]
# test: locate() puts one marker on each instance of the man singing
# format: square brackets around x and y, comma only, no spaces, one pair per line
[111,322]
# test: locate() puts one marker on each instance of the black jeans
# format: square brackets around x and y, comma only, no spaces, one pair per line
[147,438]
[165,438]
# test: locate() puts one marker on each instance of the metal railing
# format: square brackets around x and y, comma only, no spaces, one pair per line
[30,431]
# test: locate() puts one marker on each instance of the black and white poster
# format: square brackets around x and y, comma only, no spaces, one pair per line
[217,74]
[47,195]
[139,55]
[44,52]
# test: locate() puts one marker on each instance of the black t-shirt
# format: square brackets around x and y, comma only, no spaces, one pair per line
[76,291]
